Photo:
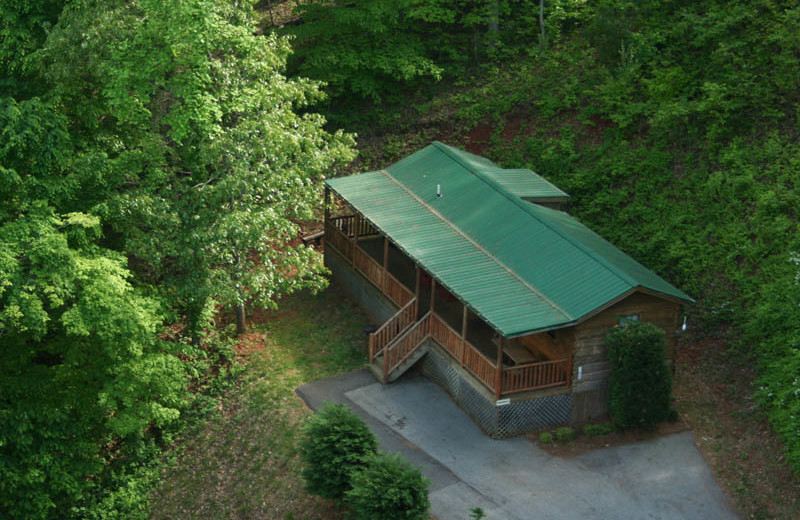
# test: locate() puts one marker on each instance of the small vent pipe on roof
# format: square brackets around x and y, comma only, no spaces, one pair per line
[438,191]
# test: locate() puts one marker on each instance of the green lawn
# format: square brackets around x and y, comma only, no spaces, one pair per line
[243,463]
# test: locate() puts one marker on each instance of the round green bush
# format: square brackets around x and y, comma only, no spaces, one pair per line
[640,393]
[388,488]
[565,434]
[335,443]
[545,437]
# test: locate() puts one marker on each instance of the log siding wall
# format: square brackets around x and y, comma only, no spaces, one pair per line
[591,390]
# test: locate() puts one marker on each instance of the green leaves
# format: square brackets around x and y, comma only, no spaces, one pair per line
[160,136]
[335,445]
[390,488]
[640,393]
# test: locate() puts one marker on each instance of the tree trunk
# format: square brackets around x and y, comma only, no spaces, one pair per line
[241,321]
[494,24]
[543,35]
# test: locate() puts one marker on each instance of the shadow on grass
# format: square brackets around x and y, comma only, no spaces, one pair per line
[243,463]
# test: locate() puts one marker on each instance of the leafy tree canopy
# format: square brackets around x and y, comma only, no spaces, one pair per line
[158,139]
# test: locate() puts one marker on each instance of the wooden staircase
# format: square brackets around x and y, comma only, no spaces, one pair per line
[398,344]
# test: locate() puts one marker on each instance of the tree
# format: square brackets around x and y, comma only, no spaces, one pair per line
[364,47]
[389,488]
[145,137]
[640,393]
[82,368]
[203,165]
[335,444]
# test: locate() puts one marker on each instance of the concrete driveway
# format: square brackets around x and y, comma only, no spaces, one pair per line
[513,479]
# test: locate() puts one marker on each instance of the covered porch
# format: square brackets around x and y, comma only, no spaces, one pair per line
[429,311]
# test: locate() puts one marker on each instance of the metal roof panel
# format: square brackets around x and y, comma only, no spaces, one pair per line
[520,266]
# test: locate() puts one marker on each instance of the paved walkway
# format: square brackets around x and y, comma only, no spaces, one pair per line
[513,479]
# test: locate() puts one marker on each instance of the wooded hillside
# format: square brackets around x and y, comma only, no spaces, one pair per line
[158,157]
[672,124]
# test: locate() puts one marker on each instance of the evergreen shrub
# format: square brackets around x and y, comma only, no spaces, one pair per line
[335,443]
[565,434]
[640,383]
[388,488]
[594,430]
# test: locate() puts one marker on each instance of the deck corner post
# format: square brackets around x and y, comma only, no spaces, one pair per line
[371,348]
[464,317]
[498,381]
[569,372]
[385,364]
[326,201]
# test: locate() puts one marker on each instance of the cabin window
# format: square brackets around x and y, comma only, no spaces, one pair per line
[627,319]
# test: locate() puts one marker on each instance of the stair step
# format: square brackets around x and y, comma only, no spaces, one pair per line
[408,363]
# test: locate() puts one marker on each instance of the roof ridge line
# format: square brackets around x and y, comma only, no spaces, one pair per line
[478,246]
[528,170]
[525,206]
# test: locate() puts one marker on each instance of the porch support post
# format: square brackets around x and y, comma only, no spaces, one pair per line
[498,380]
[433,292]
[464,323]
[416,292]
[385,254]
[356,225]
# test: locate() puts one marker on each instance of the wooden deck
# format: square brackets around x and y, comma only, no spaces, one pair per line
[398,338]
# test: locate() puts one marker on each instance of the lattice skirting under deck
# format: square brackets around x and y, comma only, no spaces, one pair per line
[509,420]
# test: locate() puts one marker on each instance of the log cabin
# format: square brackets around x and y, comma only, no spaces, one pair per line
[475,274]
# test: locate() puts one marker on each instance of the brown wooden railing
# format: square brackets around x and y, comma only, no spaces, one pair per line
[334,236]
[346,224]
[405,345]
[536,375]
[522,378]
[396,291]
[463,351]
[372,270]
[403,319]
[343,224]
[532,376]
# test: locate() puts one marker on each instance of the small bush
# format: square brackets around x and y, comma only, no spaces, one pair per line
[565,434]
[641,385]
[476,513]
[334,444]
[594,430]
[388,488]
[546,437]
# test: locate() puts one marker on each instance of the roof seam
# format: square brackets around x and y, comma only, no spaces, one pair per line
[583,248]
[527,171]
[478,246]
[413,257]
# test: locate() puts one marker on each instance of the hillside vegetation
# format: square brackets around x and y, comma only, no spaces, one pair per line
[672,124]
[158,159]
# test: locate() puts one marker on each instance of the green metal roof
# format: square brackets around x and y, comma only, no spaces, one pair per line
[520,266]
[525,184]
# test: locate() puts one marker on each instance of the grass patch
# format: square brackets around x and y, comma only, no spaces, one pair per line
[244,462]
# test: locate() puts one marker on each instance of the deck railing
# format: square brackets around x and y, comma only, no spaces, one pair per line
[396,291]
[336,235]
[405,345]
[521,378]
[403,319]
[372,270]
[347,225]
[532,376]
[463,351]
